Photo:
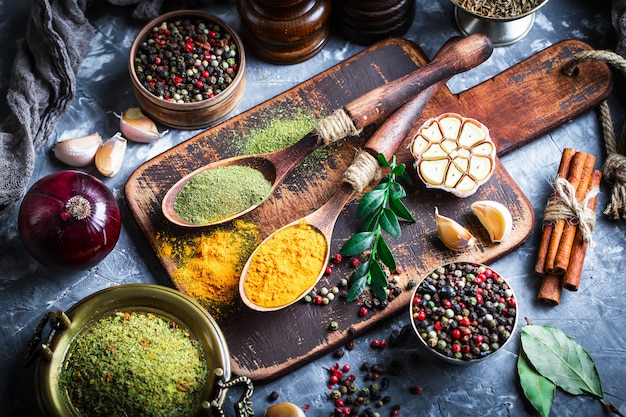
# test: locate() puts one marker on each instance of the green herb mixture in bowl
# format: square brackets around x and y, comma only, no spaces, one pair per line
[463,312]
[134,363]
[130,350]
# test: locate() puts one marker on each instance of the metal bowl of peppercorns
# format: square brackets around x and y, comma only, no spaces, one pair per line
[188,69]
[463,312]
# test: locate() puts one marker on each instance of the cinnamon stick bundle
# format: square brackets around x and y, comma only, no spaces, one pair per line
[548,227]
[562,246]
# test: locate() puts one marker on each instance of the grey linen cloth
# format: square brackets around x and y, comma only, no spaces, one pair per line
[43,84]
[618,19]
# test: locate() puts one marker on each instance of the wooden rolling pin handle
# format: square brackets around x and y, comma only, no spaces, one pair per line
[380,102]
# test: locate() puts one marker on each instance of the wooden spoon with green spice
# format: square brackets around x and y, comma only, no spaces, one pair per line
[372,107]
[362,171]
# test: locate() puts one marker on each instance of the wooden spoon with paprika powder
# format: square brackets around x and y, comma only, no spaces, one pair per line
[372,107]
[384,141]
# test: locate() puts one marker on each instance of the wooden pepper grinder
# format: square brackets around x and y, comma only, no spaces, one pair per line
[285,31]
[367,21]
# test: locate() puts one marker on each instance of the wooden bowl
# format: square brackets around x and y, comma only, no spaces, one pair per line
[193,114]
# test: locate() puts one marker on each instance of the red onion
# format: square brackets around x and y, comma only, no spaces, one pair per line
[69,220]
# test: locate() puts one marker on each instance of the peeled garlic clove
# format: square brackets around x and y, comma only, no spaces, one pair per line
[78,152]
[452,234]
[110,155]
[453,153]
[495,217]
[138,127]
[284,410]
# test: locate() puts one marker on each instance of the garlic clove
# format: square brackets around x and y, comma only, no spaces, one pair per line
[495,217]
[452,234]
[138,127]
[78,152]
[284,410]
[110,155]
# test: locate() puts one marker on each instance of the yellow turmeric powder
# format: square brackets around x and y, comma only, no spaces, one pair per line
[208,266]
[284,267]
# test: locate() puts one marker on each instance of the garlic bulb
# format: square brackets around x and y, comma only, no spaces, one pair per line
[495,217]
[78,152]
[110,155]
[454,153]
[452,234]
[138,127]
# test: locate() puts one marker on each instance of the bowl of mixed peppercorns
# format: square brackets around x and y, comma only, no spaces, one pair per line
[464,312]
[188,69]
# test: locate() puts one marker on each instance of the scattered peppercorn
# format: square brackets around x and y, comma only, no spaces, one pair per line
[273,396]
[417,389]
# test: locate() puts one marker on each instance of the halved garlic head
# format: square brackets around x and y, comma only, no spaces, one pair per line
[138,127]
[452,234]
[454,153]
[110,156]
[78,152]
[495,217]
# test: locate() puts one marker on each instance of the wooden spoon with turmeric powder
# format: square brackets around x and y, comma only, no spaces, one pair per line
[290,262]
[372,107]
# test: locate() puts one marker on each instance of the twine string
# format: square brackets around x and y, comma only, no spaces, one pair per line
[614,168]
[363,170]
[567,207]
[336,126]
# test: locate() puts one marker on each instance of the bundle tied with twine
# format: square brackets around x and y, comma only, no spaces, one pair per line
[614,167]
[567,207]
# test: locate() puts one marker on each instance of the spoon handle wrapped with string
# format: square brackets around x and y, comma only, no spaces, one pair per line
[454,57]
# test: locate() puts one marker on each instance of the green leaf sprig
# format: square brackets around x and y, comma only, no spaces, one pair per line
[548,359]
[381,209]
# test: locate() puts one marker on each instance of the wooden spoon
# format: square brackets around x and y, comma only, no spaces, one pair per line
[385,141]
[372,107]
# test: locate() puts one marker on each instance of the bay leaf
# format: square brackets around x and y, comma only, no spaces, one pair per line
[562,360]
[538,389]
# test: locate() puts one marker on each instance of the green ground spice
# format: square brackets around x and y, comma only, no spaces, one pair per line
[219,193]
[279,133]
[134,364]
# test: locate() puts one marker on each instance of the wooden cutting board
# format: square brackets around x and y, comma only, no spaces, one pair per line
[524,102]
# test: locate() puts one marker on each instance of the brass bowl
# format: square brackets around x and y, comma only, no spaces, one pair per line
[159,300]
[502,31]
[197,114]
[423,328]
